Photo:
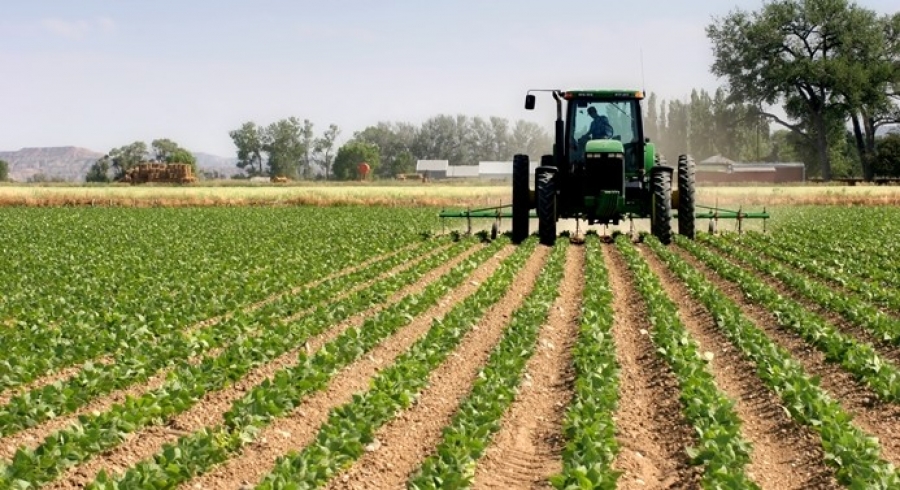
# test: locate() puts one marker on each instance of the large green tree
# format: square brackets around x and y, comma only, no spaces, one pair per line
[323,149]
[790,54]
[167,151]
[120,160]
[99,171]
[871,89]
[249,140]
[395,142]
[308,141]
[4,170]
[350,155]
[887,159]
[284,145]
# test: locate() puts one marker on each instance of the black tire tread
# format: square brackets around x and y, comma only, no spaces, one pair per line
[660,219]
[546,204]
[686,196]
[520,197]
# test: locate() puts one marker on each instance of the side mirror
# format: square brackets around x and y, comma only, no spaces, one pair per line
[529,102]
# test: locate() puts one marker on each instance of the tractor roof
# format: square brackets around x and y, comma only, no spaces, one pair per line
[603,94]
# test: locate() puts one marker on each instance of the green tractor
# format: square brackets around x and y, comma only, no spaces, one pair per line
[602,170]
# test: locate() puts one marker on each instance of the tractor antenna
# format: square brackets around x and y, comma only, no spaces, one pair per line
[643,81]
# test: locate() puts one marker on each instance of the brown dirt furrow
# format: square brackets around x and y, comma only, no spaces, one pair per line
[405,441]
[210,410]
[32,437]
[871,415]
[299,428]
[884,349]
[785,455]
[527,449]
[652,432]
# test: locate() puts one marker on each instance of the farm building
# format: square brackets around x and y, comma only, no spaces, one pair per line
[721,170]
[500,170]
[462,171]
[432,169]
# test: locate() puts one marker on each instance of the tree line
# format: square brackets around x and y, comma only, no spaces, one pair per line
[290,149]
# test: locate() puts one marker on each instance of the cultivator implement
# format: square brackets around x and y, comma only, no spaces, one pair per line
[711,213]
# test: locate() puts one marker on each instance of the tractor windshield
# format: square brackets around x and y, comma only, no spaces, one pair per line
[605,119]
[617,119]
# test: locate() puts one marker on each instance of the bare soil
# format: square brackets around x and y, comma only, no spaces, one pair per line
[527,449]
[785,455]
[652,432]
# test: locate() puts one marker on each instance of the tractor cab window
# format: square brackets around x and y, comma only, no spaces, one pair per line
[604,120]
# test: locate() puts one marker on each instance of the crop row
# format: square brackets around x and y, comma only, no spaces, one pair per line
[858,263]
[137,363]
[196,453]
[854,454]
[845,232]
[349,428]
[588,425]
[858,358]
[849,305]
[825,268]
[722,451]
[185,386]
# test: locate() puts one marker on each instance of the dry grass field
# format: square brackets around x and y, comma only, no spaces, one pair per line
[436,194]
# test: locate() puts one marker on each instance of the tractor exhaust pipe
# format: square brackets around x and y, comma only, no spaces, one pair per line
[559,147]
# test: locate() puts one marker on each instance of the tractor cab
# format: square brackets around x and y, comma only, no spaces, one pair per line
[597,117]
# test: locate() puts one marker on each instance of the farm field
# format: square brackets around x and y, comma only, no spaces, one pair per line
[351,347]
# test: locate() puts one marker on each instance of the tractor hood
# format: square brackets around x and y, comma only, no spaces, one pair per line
[604,146]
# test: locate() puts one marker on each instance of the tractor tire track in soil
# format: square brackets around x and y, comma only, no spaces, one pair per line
[412,435]
[652,432]
[883,348]
[300,427]
[785,455]
[210,410]
[32,437]
[879,419]
[527,449]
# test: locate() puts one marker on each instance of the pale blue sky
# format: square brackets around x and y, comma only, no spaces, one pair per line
[101,74]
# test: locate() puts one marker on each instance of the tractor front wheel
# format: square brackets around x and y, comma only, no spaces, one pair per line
[546,205]
[661,207]
[521,205]
[686,196]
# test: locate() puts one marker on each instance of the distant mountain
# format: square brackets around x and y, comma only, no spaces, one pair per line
[71,163]
[68,163]
[226,166]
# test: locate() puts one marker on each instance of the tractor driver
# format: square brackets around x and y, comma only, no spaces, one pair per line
[600,126]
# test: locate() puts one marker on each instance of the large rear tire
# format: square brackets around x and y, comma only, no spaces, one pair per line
[546,205]
[686,196]
[520,198]
[661,207]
